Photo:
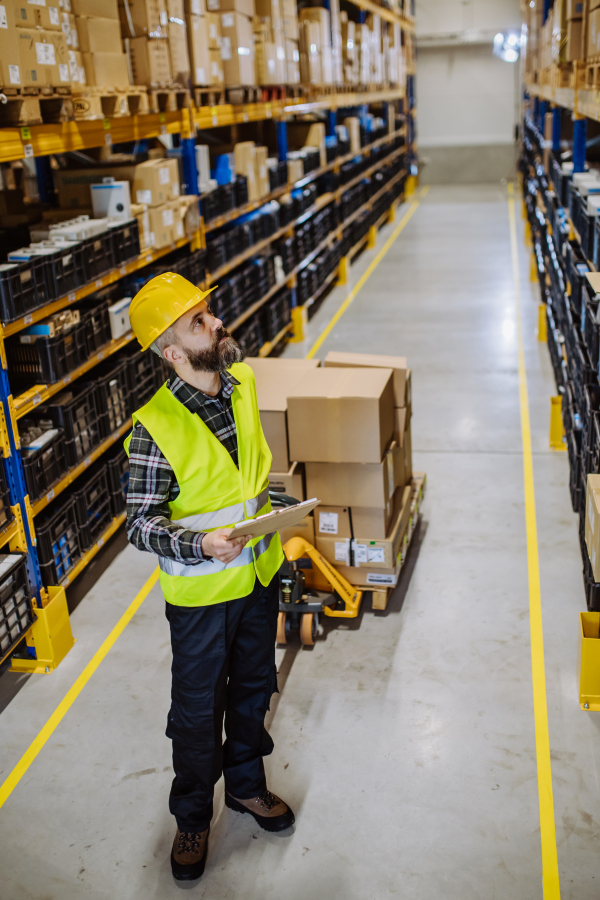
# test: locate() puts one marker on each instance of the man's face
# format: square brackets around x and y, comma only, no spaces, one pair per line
[208,346]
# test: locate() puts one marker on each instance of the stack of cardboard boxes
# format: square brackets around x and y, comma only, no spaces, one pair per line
[345,428]
[269,47]
[560,39]
[316,60]
[33,48]
[99,38]
[251,161]
[155,40]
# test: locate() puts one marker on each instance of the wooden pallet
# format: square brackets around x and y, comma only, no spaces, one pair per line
[92,103]
[271,92]
[208,96]
[244,94]
[592,74]
[35,106]
[169,98]
[419,483]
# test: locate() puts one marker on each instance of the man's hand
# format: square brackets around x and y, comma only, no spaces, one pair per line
[215,543]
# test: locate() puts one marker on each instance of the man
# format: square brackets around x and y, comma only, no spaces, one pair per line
[199,463]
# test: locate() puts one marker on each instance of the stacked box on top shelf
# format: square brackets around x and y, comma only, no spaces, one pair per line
[144,26]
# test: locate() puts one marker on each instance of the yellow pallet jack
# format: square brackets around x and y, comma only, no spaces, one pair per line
[308,586]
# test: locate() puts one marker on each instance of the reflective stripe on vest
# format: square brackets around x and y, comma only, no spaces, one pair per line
[229,515]
[212,566]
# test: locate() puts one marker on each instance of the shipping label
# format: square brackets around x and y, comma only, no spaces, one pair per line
[328,522]
[377,578]
[45,55]
[3,19]
[360,553]
[163,175]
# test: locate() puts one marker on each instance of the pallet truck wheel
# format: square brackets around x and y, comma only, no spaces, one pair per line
[308,629]
[281,629]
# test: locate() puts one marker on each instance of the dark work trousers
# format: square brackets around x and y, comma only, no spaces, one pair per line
[223,666]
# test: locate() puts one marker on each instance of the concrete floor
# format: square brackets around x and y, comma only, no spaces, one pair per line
[404,740]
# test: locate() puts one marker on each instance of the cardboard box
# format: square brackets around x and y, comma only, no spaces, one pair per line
[246,7]
[593,33]
[384,552]
[336,550]
[321,16]
[407,447]
[161,220]
[37,15]
[198,49]
[304,529]
[105,69]
[107,9]
[353,126]
[290,28]
[237,49]
[592,523]
[150,62]
[370,576]
[10,63]
[341,415]
[275,378]
[333,521]
[215,38]
[216,73]
[574,48]
[373,521]
[397,363]
[290,483]
[245,164]
[98,35]
[43,58]
[144,18]
[265,59]
[262,173]
[194,7]
[176,9]
[178,53]
[575,9]
[357,484]
[156,181]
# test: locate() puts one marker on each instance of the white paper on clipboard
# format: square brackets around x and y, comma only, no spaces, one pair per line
[274,521]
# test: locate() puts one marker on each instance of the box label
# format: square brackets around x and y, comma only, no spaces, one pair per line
[200,75]
[375,554]
[167,217]
[14,75]
[226,48]
[53,13]
[143,196]
[3,19]
[195,7]
[328,522]
[63,72]
[163,175]
[45,54]
[212,4]
[376,578]
[360,553]
[37,2]
[175,190]
[342,552]
[227,20]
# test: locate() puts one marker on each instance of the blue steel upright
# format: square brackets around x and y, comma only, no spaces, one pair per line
[331,122]
[190,171]
[542,113]
[579,140]
[45,180]
[282,143]
[556,128]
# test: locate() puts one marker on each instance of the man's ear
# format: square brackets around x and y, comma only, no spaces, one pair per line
[174,354]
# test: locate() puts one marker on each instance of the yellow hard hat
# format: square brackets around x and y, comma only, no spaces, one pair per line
[160,303]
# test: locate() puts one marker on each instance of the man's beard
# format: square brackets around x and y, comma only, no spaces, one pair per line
[219,358]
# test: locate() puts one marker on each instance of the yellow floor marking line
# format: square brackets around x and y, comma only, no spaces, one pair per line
[550,876]
[67,702]
[366,274]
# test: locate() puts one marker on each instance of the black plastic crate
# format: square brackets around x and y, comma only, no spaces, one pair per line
[93,510]
[118,480]
[112,395]
[16,610]
[98,255]
[58,543]
[20,285]
[94,316]
[37,359]
[125,239]
[76,412]
[141,378]
[6,515]
[44,458]
[250,337]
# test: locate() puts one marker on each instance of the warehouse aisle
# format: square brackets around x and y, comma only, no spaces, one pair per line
[404,740]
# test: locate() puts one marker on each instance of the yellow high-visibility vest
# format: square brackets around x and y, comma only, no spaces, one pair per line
[214,493]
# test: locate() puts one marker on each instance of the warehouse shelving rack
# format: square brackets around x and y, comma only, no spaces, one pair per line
[40,142]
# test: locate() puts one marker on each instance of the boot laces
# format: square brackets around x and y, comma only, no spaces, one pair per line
[189,842]
[266,800]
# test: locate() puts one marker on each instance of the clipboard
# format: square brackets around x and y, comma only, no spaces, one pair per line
[273,521]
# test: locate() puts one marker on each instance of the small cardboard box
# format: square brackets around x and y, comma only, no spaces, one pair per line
[98,35]
[275,378]
[150,61]
[370,360]
[335,550]
[216,73]
[262,173]
[156,181]
[574,47]
[246,7]
[357,484]
[178,52]
[304,529]
[290,483]
[237,49]
[105,69]
[38,15]
[43,58]
[575,9]
[592,523]
[333,521]
[341,415]
[198,48]
[215,38]
[161,220]
[373,551]
[107,9]
[593,32]
[373,521]
[10,63]
[144,18]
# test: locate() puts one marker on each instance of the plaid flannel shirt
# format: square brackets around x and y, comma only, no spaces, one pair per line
[152,482]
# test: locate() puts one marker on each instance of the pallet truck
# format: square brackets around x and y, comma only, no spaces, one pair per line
[308,586]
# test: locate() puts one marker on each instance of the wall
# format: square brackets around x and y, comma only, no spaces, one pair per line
[467,98]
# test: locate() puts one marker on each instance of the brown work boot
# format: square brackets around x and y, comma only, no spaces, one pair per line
[188,856]
[270,812]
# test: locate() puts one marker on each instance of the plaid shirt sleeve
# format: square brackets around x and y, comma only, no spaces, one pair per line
[152,484]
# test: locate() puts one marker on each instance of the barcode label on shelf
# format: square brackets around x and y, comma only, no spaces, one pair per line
[123,270]
[115,435]
[50,496]
[28,319]
[99,282]
[66,379]
[100,542]
[36,399]
[215,120]
[65,581]
[87,461]
[149,257]
[71,297]
[27,150]
[100,355]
